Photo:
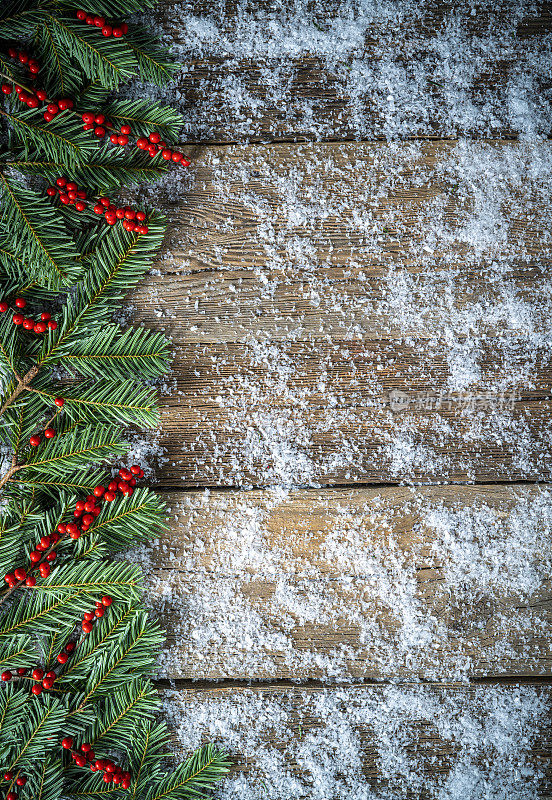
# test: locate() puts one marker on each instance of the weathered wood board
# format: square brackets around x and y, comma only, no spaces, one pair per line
[394,741]
[435,583]
[304,75]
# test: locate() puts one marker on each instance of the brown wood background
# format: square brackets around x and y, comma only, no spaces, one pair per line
[209,293]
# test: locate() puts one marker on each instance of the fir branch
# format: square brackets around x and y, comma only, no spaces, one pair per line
[155,62]
[194,778]
[39,238]
[108,60]
[144,116]
[61,139]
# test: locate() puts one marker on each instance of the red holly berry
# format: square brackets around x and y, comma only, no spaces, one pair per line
[142,143]
[125,129]
[37,689]
[88,117]
[67,743]
[41,94]
[59,401]
[167,155]
[28,323]
[21,780]
[122,141]
[89,19]
[6,676]
[45,542]
[81,15]
[18,319]
[39,327]
[107,30]
[111,219]
[37,674]
[80,206]
[176,157]
[31,581]
[64,198]
[20,573]
[99,22]
[11,796]
[47,683]
[52,325]
[117,32]
[49,433]
[20,302]
[21,671]
[109,496]
[140,216]
[44,569]
[32,102]
[106,600]
[23,56]
[35,557]
[3,306]
[51,191]
[45,316]
[88,616]
[51,556]
[53,108]
[99,131]
[99,490]
[80,761]
[64,104]
[6,88]
[35,440]
[99,612]
[87,627]
[154,137]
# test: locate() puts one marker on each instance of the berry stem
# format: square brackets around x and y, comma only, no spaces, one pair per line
[22,386]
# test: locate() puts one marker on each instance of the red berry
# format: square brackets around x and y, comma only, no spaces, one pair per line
[88,616]
[122,141]
[88,127]
[125,474]
[81,14]
[63,104]
[152,150]
[12,52]
[11,796]
[32,102]
[108,777]
[87,520]
[80,206]
[18,319]
[125,129]
[124,27]
[49,433]
[176,157]
[41,94]
[106,600]
[28,323]
[23,56]
[99,131]
[64,198]
[105,201]
[135,469]
[45,316]
[72,528]
[99,490]
[89,19]
[142,143]
[111,219]
[44,569]
[99,119]
[113,138]
[20,573]
[140,216]
[39,327]
[87,627]
[98,209]
[109,496]
[37,689]
[107,30]
[21,780]
[71,186]
[129,212]
[117,32]
[53,108]
[125,784]
[120,213]
[20,302]
[89,506]
[70,646]
[35,440]
[61,528]
[67,743]
[99,22]
[21,671]
[63,658]
[51,556]
[35,557]
[47,683]
[80,761]
[154,137]
[88,117]
[31,581]
[52,325]
[144,229]
[59,401]
[3,306]
[6,676]
[167,155]
[128,225]
[45,542]
[6,88]
[123,487]
[99,612]
[81,194]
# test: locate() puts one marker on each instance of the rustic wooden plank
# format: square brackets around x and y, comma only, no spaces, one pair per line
[263,72]
[344,313]
[402,741]
[434,583]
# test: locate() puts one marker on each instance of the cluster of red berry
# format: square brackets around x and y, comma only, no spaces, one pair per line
[90,617]
[85,755]
[69,193]
[153,144]
[132,220]
[23,57]
[97,21]
[41,326]
[20,781]
[56,107]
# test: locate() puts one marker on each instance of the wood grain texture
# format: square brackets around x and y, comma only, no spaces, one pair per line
[266,72]
[355,583]
[401,741]
[343,313]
